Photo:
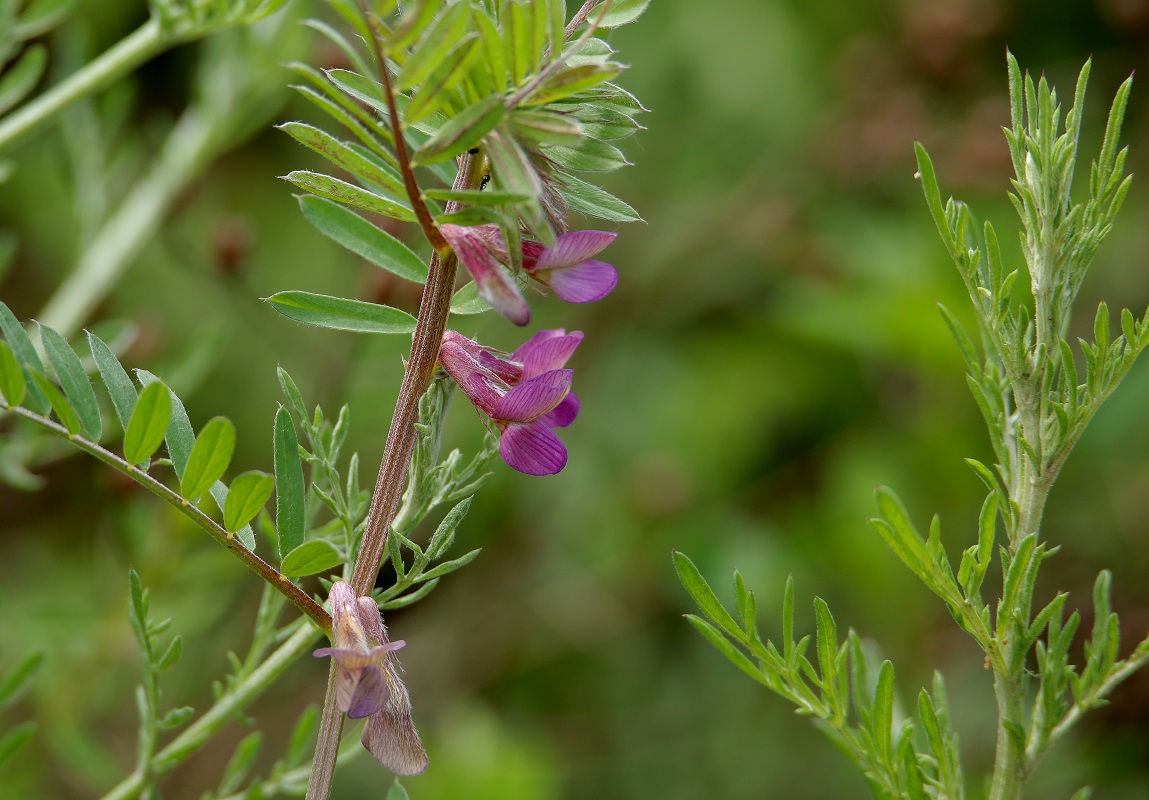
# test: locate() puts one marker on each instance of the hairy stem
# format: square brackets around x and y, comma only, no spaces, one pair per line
[297,596]
[145,42]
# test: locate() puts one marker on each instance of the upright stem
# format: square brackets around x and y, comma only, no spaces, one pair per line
[145,42]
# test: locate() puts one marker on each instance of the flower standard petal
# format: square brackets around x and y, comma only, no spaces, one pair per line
[571,248]
[532,448]
[534,397]
[547,350]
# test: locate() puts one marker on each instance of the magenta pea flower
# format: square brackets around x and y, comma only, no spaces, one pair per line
[525,395]
[494,283]
[568,269]
[367,682]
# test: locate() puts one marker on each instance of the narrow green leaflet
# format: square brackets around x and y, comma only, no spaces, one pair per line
[148,423]
[462,132]
[180,436]
[451,26]
[571,81]
[397,792]
[590,155]
[350,194]
[17,680]
[362,238]
[26,354]
[467,301]
[57,402]
[14,740]
[116,379]
[19,79]
[700,590]
[344,155]
[430,96]
[246,497]
[546,128]
[341,313]
[12,383]
[209,457]
[74,381]
[310,558]
[620,12]
[586,198]
[290,491]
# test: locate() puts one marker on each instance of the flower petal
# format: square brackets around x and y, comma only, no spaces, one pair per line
[563,414]
[532,449]
[534,397]
[571,248]
[370,694]
[584,282]
[492,281]
[547,350]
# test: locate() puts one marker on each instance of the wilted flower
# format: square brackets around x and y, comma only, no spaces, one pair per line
[525,395]
[367,682]
[567,268]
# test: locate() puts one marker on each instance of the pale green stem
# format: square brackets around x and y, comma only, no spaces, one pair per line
[190,145]
[139,46]
[221,714]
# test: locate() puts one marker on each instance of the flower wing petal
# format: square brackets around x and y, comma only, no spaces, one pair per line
[534,397]
[532,449]
[370,693]
[571,248]
[583,282]
[563,414]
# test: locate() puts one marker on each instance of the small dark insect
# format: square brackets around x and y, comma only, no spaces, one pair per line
[485,181]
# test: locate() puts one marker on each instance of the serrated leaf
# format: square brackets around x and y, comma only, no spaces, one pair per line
[12,384]
[57,402]
[14,740]
[362,238]
[177,717]
[115,377]
[290,491]
[148,424]
[589,199]
[461,132]
[21,78]
[335,189]
[341,313]
[692,580]
[310,558]
[75,383]
[209,457]
[467,301]
[246,496]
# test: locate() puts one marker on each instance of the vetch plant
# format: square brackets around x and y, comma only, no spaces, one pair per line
[1036,393]
[469,119]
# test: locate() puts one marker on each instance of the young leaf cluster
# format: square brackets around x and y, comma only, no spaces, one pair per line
[195,18]
[527,90]
[853,703]
[1027,384]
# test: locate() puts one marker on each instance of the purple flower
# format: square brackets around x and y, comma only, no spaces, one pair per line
[367,682]
[494,283]
[526,394]
[567,268]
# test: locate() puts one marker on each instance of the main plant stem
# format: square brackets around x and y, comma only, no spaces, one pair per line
[432,322]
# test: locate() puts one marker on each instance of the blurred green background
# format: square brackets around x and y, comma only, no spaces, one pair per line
[773,352]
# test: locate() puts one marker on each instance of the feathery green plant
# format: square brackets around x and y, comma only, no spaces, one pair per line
[1036,405]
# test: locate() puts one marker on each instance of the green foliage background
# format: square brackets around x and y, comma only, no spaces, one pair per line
[772,353]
